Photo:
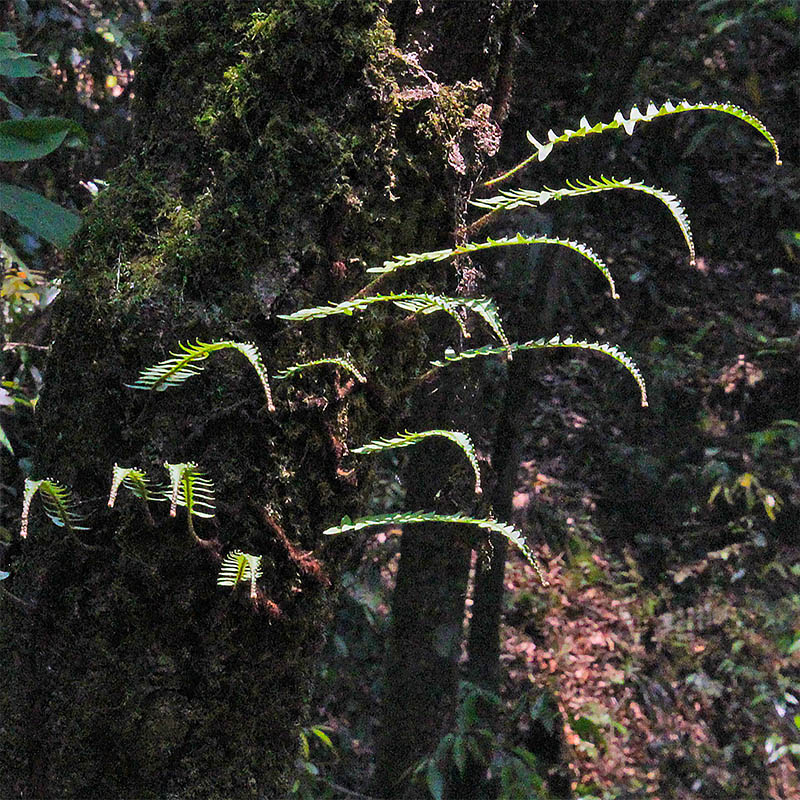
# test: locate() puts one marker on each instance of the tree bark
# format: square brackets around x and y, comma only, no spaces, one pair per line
[274,157]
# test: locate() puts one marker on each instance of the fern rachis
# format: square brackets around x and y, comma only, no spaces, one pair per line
[57,502]
[190,488]
[237,567]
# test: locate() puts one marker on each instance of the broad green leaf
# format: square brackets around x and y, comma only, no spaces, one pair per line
[39,215]
[16,67]
[34,137]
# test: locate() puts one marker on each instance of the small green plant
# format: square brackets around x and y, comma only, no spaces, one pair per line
[191,489]
[336,361]
[239,567]
[57,502]
[136,482]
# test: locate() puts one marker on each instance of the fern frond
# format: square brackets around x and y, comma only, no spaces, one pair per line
[185,364]
[416,304]
[57,502]
[400,262]
[408,439]
[135,480]
[605,348]
[629,124]
[190,488]
[337,361]
[238,566]
[514,198]
[407,517]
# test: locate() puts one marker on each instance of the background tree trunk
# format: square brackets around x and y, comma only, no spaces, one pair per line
[273,160]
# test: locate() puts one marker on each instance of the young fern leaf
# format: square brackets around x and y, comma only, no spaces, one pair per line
[183,365]
[191,489]
[58,505]
[400,262]
[416,304]
[629,124]
[408,439]
[344,363]
[135,480]
[407,517]
[607,349]
[238,566]
[514,198]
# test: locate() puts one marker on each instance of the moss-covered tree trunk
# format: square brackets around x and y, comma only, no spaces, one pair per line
[277,153]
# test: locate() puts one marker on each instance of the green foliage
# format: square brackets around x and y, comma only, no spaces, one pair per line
[336,361]
[750,487]
[191,489]
[556,341]
[183,365]
[400,262]
[240,567]
[408,439]
[629,123]
[484,307]
[57,502]
[514,198]
[408,517]
[31,138]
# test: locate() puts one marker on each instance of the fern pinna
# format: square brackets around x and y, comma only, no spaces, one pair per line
[185,364]
[57,502]
[408,439]
[237,567]
[408,517]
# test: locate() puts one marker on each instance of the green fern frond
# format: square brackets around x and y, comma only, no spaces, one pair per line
[190,488]
[408,439]
[57,502]
[400,262]
[629,124]
[344,363]
[183,365]
[238,566]
[135,480]
[610,350]
[513,198]
[407,517]
[416,304]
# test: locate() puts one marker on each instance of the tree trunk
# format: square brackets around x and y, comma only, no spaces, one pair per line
[275,156]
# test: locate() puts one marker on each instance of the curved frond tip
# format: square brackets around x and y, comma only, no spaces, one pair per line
[408,517]
[336,361]
[408,439]
[629,124]
[186,363]
[133,479]
[57,502]
[556,341]
[514,198]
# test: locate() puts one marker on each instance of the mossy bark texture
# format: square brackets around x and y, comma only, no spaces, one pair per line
[276,156]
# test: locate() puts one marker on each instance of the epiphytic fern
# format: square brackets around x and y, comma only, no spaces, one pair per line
[629,124]
[407,517]
[238,566]
[415,303]
[190,488]
[57,502]
[183,365]
[514,198]
[138,483]
[408,439]
[400,262]
[344,363]
[607,349]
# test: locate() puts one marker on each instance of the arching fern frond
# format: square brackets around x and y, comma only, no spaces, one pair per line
[190,488]
[629,123]
[135,480]
[238,566]
[57,502]
[407,517]
[605,348]
[408,439]
[416,304]
[183,365]
[514,198]
[400,262]
[337,361]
